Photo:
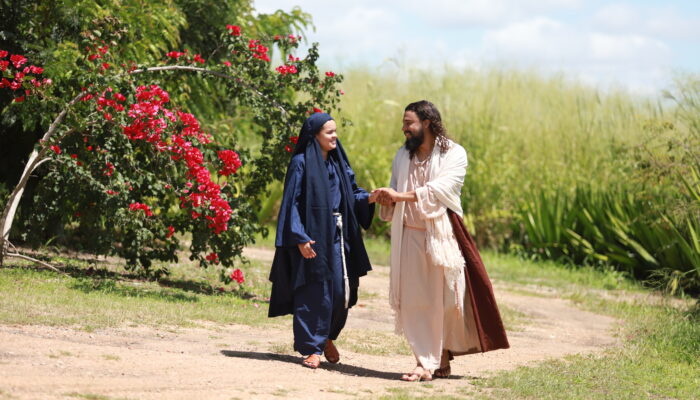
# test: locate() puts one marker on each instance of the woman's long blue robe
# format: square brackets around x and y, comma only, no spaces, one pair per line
[313,289]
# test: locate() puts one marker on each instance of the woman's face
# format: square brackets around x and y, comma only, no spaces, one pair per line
[327,136]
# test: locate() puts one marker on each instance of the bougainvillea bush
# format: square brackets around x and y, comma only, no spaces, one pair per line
[132,174]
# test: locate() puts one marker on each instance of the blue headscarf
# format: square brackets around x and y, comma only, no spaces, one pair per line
[309,129]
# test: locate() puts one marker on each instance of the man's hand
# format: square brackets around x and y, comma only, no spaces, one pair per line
[306,250]
[384,196]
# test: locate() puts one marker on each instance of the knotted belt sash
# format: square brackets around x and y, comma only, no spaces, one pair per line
[339,224]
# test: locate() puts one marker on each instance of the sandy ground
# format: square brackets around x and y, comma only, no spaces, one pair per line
[237,361]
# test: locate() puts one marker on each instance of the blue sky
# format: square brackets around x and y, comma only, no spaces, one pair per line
[639,45]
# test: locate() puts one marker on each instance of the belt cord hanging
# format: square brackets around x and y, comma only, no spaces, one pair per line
[339,224]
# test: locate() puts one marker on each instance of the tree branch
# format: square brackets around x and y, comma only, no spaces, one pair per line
[34,260]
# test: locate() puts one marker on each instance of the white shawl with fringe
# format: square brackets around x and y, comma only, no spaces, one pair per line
[444,184]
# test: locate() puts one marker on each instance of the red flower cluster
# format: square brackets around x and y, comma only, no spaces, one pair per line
[237,275]
[259,51]
[16,61]
[234,29]
[330,74]
[213,257]
[103,102]
[291,58]
[140,206]
[108,169]
[227,63]
[176,54]
[151,118]
[198,59]
[231,162]
[286,69]
[171,231]
[99,52]
[56,149]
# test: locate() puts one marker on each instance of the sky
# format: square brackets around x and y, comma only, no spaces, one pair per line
[636,45]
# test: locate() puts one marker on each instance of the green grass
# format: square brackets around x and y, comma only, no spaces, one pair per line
[373,342]
[108,299]
[659,359]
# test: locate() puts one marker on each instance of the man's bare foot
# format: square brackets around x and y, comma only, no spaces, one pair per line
[445,370]
[417,375]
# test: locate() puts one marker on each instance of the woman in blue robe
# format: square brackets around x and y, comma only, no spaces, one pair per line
[322,210]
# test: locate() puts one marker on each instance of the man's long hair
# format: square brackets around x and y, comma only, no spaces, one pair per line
[427,110]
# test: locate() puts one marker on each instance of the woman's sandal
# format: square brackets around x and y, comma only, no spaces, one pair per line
[331,352]
[415,376]
[312,361]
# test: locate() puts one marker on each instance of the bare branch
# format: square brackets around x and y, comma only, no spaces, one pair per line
[34,260]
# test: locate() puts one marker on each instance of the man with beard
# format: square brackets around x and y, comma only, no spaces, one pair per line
[440,293]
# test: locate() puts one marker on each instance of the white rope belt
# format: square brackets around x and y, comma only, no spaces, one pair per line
[339,224]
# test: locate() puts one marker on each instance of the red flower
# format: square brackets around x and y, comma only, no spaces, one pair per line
[213,257]
[108,169]
[175,54]
[93,57]
[105,66]
[140,206]
[171,231]
[237,275]
[111,192]
[231,162]
[19,99]
[3,65]
[15,85]
[74,156]
[286,69]
[342,92]
[198,58]
[288,148]
[294,139]
[330,74]
[35,70]
[56,149]
[227,63]
[89,148]
[3,53]
[18,60]
[235,29]
[317,110]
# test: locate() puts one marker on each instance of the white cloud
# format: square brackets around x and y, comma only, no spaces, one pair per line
[466,13]
[661,22]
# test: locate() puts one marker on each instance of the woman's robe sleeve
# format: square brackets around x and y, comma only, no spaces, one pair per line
[364,211]
[290,229]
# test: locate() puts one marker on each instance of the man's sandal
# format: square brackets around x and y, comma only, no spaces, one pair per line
[331,352]
[312,361]
[416,376]
[443,372]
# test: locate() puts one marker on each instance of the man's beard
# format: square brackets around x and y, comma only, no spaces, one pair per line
[413,141]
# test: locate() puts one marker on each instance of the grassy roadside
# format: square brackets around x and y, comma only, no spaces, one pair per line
[659,357]
[107,297]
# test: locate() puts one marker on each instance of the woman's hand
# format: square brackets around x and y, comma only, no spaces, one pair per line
[306,250]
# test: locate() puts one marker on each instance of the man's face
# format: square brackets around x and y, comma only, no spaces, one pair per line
[413,130]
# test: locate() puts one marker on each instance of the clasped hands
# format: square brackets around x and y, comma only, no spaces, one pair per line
[385,196]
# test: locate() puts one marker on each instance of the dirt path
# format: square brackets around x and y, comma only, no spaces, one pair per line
[236,361]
